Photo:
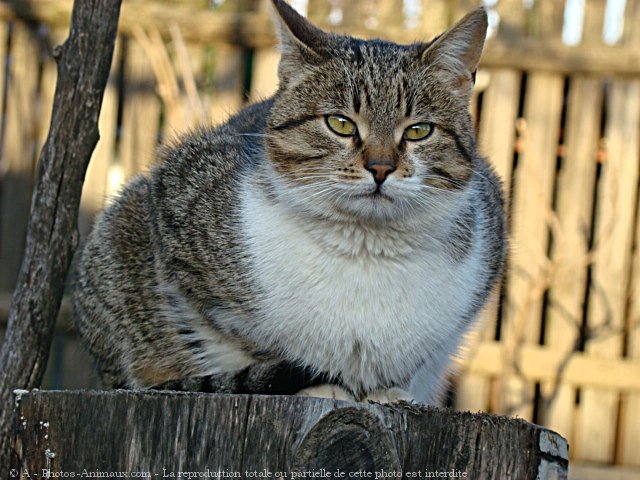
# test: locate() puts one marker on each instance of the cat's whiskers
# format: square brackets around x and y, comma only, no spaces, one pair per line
[447,180]
[312,190]
[251,135]
[310,177]
[437,189]
[321,193]
[296,182]
[481,175]
[423,200]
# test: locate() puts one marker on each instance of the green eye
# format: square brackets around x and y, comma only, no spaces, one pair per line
[341,125]
[419,131]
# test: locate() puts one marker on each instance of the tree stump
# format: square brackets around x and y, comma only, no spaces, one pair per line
[193,435]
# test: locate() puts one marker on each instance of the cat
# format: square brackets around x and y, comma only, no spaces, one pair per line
[335,240]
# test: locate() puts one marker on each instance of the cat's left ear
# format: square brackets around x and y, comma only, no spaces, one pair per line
[301,42]
[457,51]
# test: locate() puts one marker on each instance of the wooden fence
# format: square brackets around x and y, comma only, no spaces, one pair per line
[557,105]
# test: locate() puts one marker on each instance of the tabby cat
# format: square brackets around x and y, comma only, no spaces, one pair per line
[336,239]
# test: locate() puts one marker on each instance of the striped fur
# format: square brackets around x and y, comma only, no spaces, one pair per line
[268,255]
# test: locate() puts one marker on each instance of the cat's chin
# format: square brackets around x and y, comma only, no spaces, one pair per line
[375,207]
[376,197]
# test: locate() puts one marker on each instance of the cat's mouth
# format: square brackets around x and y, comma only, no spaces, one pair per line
[376,195]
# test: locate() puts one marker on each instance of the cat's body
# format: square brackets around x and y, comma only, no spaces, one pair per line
[362,254]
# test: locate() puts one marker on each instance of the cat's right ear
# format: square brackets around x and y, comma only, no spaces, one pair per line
[301,43]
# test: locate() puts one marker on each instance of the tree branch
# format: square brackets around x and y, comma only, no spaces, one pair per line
[84,61]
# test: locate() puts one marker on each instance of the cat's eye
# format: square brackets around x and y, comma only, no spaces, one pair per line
[341,125]
[418,131]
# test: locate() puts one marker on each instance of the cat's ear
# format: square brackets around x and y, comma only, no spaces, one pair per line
[301,42]
[457,51]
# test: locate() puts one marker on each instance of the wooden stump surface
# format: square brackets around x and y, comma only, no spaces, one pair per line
[129,434]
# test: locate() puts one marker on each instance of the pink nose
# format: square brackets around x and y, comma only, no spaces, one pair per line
[380,170]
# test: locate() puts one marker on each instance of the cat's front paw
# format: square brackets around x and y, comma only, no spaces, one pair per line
[327,391]
[391,395]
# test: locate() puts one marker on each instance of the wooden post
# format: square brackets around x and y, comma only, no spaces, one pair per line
[165,433]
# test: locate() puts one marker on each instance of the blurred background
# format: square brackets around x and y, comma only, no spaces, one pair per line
[557,111]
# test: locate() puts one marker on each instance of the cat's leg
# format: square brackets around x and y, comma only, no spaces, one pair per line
[269,377]
[429,385]
[327,390]
[389,395]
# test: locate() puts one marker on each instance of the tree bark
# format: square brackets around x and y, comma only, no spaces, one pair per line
[83,68]
[195,435]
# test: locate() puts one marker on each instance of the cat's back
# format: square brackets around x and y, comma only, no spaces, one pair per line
[214,154]
[205,162]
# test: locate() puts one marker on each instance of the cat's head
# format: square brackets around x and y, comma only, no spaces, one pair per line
[372,129]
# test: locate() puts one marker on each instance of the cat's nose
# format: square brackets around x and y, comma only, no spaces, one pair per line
[380,170]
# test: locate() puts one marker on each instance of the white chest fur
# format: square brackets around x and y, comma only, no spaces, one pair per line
[372,306]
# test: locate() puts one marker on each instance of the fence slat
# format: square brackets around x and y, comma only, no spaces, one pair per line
[264,78]
[629,436]
[592,28]
[194,103]
[434,19]
[228,73]
[498,125]
[227,92]
[630,407]
[597,415]
[18,155]
[571,237]
[531,210]
[141,112]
